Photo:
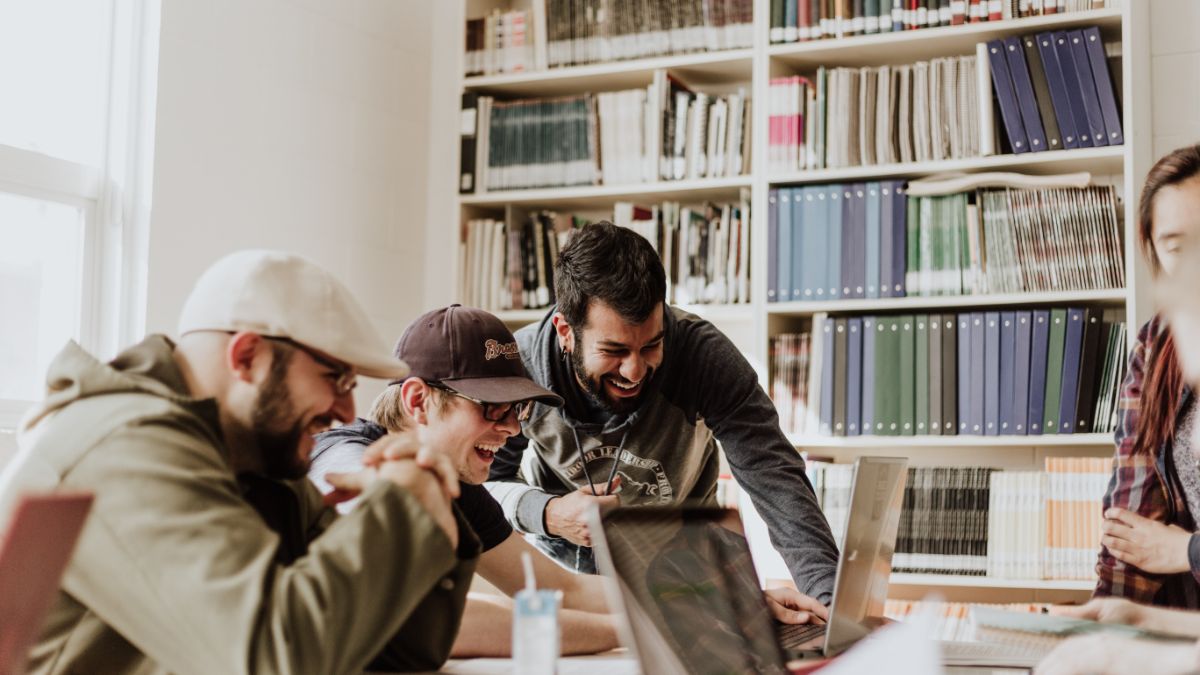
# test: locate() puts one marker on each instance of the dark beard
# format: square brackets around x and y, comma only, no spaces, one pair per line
[273,410]
[594,387]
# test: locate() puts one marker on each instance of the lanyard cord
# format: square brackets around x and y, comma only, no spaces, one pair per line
[616,461]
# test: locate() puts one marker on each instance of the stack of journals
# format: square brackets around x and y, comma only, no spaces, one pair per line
[1054,90]
[1022,372]
[977,521]
[801,20]
[665,131]
[499,43]
[867,116]
[581,31]
[873,240]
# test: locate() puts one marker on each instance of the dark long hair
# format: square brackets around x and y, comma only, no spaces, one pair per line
[1162,387]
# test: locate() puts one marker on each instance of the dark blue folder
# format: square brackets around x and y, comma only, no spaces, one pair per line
[812,267]
[1087,87]
[1109,106]
[867,420]
[854,375]
[1020,396]
[772,246]
[1066,61]
[886,194]
[1070,373]
[1009,112]
[1026,99]
[964,373]
[1007,372]
[1039,350]
[1058,90]
[835,222]
[799,245]
[978,372]
[784,250]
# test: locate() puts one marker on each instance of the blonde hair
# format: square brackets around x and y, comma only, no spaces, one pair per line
[388,409]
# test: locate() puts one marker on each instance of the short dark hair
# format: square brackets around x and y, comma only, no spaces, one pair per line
[612,264]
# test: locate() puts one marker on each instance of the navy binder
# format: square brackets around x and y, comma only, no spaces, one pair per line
[1070,372]
[784,251]
[854,375]
[1006,97]
[1020,399]
[772,246]
[1026,100]
[977,380]
[1008,347]
[1109,107]
[872,243]
[964,373]
[1066,61]
[1087,87]
[827,379]
[1058,90]
[991,373]
[1039,348]
[867,420]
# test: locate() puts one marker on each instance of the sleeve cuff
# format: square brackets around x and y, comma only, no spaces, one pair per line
[531,512]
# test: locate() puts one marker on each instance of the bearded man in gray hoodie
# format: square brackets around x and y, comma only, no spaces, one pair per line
[649,390]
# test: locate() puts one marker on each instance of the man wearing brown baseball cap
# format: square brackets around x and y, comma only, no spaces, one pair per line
[207,551]
[466,394]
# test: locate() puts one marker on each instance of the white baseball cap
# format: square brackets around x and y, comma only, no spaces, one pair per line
[283,295]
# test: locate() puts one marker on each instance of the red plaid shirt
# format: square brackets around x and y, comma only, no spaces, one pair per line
[1146,485]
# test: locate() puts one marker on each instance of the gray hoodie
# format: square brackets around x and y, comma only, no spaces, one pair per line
[703,392]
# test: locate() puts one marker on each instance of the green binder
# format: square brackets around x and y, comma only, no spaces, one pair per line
[921,358]
[1054,362]
[906,393]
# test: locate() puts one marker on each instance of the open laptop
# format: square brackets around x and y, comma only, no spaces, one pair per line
[34,551]
[690,595]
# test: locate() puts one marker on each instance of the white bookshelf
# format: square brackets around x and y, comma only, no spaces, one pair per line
[752,325]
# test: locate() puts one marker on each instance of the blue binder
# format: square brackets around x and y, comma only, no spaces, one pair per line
[849,239]
[799,246]
[1087,87]
[872,243]
[964,373]
[991,373]
[1070,373]
[1109,107]
[1066,61]
[1020,398]
[1039,351]
[834,212]
[854,375]
[1058,90]
[783,252]
[812,232]
[978,373]
[1002,84]
[858,242]
[772,246]
[1007,371]
[886,194]
[1026,99]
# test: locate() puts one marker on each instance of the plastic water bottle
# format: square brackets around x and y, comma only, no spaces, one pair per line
[535,638]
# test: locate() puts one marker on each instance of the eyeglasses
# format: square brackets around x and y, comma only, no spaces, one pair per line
[344,378]
[492,412]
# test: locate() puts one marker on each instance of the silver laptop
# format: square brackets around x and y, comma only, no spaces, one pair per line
[690,594]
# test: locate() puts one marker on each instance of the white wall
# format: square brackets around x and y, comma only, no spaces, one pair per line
[1175,68]
[300,125]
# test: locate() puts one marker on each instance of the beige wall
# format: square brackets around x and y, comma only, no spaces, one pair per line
[300,125]
[1175,78]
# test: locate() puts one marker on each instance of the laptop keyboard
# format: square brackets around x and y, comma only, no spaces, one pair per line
[793,635]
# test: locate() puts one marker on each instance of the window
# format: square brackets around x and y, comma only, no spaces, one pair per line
[75,132]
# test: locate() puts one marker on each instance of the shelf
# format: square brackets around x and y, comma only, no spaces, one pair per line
[521,316]
[1098,161]
[1048,440]
[720,313]
[902,579]
[903,47]
[585,196]
[1115,296]
[695,69]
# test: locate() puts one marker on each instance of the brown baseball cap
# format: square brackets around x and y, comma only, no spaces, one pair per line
[472,352]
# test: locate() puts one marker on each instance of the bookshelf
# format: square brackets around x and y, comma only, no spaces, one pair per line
[752,325]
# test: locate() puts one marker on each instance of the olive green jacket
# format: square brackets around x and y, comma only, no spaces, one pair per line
[176,572]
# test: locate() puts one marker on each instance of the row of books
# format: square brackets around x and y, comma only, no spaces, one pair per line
[874,240]
[663,132]
[1054,90]
[504,267]
[1023,372]
[842,117]
[499,43]
[978,521]
[1046,525]
[802,20]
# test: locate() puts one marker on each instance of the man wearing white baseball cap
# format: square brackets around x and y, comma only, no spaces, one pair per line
[207,551]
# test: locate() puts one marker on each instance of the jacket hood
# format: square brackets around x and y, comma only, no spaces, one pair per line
[147,367]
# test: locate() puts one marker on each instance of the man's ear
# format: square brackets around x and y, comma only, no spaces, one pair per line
[566,336]
[241,352]
[414,396]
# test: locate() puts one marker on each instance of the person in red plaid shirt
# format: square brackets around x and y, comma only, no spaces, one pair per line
[1149,551]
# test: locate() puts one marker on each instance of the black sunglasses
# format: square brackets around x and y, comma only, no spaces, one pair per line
[492,412]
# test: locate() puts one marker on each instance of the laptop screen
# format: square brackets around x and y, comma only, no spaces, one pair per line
[693,580]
